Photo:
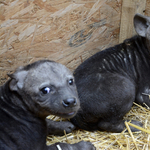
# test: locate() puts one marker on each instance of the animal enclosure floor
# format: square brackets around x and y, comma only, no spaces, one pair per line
[113,141]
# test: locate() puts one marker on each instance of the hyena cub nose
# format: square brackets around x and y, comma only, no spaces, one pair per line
[70,102]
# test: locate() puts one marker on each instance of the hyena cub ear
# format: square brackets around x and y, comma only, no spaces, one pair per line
[17,79]
[141,24]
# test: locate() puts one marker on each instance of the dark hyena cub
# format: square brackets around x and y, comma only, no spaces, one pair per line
[110,81]
[34,92]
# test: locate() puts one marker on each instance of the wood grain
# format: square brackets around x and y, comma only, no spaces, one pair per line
[64,31]
[129,9]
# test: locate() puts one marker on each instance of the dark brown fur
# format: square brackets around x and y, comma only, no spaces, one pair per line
[34,92]
[110,81]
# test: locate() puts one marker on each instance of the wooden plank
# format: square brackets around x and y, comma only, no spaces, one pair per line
[129,9]
[147,10]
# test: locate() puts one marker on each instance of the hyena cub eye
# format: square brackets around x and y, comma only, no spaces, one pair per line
[71,82]
[46,90]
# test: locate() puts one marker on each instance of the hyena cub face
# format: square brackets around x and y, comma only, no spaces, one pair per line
[48,88]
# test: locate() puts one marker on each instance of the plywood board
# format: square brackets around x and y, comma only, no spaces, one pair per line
[62,30]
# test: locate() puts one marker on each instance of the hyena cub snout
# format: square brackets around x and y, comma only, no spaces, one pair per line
[70,102]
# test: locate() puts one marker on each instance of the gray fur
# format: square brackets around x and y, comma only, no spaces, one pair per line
[34,92]
[111,80]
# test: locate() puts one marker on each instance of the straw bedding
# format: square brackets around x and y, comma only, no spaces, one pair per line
[113,141]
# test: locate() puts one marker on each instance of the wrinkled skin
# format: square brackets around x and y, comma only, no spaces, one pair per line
[110,81]
[32,93]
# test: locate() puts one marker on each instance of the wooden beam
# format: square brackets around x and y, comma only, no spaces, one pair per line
[129,9]
[147,11]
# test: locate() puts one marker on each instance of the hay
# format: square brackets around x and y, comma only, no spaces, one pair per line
[113,141]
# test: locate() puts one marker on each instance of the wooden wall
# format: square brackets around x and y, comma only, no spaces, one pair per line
[66,31]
